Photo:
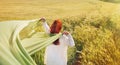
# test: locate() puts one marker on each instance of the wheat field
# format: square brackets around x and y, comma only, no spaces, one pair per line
[51,9]
[94,25]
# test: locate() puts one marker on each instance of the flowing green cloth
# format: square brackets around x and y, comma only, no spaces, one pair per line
[13,50]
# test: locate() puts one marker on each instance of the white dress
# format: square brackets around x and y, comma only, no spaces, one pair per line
[57,54]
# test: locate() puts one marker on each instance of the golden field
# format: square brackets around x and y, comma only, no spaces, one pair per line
[95,26]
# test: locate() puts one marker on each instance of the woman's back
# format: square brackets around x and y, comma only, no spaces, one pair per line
[57,54]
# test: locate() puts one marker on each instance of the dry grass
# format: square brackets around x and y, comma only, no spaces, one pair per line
[51,9]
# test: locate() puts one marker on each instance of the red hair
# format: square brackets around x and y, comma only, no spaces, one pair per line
[55,28]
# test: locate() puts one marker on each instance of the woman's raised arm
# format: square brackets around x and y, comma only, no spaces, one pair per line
[45,25]
[69,38]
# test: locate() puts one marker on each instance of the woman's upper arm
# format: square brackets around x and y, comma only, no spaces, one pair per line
[46,27]
[69,40]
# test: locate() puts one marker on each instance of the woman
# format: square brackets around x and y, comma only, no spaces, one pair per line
[56,53]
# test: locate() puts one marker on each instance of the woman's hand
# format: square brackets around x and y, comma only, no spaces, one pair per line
[42,19]
[66,32]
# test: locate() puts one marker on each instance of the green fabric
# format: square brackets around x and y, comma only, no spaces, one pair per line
[13,50]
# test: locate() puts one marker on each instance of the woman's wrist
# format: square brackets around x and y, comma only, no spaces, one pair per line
[42,19]
[65,33]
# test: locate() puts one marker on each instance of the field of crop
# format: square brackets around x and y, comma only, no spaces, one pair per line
[94,25]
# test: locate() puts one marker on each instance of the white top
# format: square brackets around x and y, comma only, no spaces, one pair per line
[57,54]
